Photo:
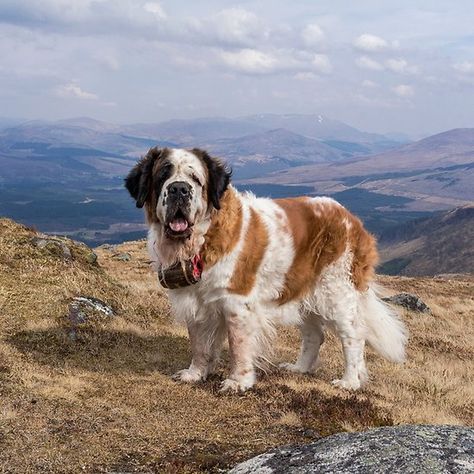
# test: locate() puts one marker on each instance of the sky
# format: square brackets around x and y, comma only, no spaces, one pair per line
[383,66]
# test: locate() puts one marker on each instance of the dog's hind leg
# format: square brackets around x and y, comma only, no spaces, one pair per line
[338,302]
[341,312]
[312,336]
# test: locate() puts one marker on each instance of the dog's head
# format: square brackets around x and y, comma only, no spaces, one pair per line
[178,188]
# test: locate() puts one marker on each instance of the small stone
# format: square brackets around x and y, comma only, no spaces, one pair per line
[409,301]
[53,245]
[91,258]
[80,310]
[124,257]
[109,247]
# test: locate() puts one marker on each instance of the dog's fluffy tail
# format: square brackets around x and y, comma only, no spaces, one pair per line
[386,333]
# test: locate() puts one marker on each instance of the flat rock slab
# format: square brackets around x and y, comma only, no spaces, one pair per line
[419,449]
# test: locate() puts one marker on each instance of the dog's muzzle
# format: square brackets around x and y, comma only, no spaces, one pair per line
[178,224]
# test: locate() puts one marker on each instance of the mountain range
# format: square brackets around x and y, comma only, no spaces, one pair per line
[67,176]
[37,146]
[436,172]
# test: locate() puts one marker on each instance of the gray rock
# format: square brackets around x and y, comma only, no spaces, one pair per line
[409,449]
[82,307]
[109,247]
[54,246]
[409,301]
[124,257]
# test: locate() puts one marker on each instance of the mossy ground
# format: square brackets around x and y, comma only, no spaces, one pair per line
[106,402]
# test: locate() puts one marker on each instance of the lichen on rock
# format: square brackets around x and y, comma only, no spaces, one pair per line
[420,449]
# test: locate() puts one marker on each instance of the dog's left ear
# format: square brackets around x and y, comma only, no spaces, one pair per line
[138,181]
[219,177]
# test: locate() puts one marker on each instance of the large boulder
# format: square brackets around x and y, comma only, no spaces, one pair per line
[405,449]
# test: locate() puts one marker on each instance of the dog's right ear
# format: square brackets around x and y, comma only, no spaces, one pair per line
[139,180]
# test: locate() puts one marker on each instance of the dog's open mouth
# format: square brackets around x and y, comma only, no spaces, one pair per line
[178,226]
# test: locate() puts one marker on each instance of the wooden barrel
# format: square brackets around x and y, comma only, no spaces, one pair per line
[179,275]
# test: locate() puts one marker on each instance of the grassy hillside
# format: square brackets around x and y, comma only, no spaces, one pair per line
[106,402]
[439,244]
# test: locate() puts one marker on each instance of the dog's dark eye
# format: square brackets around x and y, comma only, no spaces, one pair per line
[196,180]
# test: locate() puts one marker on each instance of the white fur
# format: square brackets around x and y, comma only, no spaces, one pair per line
[211,312]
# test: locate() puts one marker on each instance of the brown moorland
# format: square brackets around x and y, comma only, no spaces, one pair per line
[105,402]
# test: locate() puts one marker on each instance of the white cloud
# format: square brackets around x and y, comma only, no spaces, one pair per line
[466,67]
[400,66]
[369,84]
[250,61]
[233,26]
[321,63]
[156,9]
[312,35]
[305,76]
[110,61]
[100,16]
[370,43]
[404,90]
[365,62]
[72,90]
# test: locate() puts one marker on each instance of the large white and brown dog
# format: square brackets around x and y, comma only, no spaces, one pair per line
[304,261]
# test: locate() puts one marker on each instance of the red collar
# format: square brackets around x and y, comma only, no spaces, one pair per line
[198,266]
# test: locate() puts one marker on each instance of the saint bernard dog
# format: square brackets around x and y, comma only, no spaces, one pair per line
[305,261]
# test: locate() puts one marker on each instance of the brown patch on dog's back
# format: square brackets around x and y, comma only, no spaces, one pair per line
[224,231]
[251,256]
[318,241]
[321,233]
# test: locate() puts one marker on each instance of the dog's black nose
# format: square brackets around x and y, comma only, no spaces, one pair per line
[179,189]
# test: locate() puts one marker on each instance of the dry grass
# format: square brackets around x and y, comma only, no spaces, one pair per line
[106,402]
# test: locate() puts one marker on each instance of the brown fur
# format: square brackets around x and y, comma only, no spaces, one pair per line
[150,208]
[320,237]
[224,231]
[364,249]
[251,256]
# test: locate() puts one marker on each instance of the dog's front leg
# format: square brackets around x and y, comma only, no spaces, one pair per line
[242,352]
[201,336]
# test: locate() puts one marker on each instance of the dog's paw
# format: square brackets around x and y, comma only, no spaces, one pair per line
[297,369]
[188,376]
[292,368]
[347,384]
[231,385]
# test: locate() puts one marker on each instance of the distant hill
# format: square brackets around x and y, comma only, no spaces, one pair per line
[272,150]
[281,143]
[196,132]
[436,172]
[440,244]
[321,127]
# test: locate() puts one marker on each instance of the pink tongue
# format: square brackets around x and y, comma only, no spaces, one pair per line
[179,225]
